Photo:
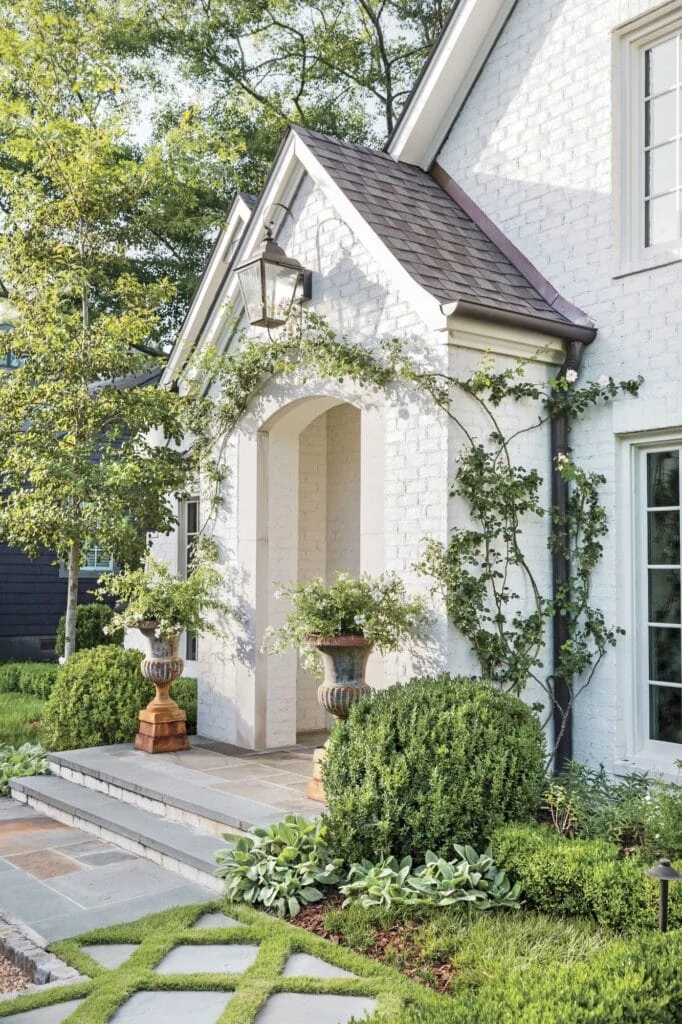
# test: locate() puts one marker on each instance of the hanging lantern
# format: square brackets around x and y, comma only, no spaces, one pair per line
[268,284]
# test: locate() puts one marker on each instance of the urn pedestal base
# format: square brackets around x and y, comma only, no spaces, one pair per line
[162,730]
[163,725]
[315,790]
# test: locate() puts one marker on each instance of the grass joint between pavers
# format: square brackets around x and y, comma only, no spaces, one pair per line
[156,935]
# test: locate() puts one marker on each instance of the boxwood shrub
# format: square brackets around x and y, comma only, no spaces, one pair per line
[32,677]
[97,696]
[421,766]
[586,877]
[90,622]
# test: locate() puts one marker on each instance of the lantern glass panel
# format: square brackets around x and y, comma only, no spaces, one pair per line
[252,291]
[280,285]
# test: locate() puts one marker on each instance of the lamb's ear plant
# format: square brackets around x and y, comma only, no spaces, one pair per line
[281,867]
[15,762]
[469,878]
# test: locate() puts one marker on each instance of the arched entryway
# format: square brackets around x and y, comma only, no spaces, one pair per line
[320,511]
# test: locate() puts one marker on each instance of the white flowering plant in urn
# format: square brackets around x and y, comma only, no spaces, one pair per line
[376,609]
[153,594]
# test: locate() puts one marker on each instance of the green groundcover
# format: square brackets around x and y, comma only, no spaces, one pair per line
[158,934]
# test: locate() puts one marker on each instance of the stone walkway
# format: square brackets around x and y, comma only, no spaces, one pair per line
[188,961]
[60,882]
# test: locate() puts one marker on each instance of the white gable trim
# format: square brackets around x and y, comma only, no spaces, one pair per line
[450,73]
[216,293]
[421,301]
[209,284]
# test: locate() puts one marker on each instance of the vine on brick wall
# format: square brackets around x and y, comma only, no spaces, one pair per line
[481,570]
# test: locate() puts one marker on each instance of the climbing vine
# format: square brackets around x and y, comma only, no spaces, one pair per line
[483,569]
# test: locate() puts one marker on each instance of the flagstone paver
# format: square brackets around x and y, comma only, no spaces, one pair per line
[294,1007]
[111,955]
[227,959]
[216,920]
[173,1008]
[302,965]
[46,1014]
[64,882]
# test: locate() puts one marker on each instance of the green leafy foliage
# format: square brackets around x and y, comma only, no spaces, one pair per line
[31,677]
[627,982]
[174,602]
[340,68]
[474,950]
[416,765]
[281,866]
[374,607]
[470,878]
[584,877]
[28,759]
[91,622]
[98,695]
[84,254]
[636,811]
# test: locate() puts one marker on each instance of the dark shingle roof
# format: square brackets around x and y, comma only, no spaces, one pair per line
[438,244]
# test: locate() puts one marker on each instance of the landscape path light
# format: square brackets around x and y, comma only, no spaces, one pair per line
[665,873]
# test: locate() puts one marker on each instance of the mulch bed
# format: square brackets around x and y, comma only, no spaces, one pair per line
[396,946]
[11,978]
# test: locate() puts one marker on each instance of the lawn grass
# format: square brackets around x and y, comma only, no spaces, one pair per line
[458,949]
[21,719]
[159,933]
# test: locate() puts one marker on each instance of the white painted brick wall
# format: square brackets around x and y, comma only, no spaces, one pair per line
[312,552]
[356,292]
[343,490]
[533,147]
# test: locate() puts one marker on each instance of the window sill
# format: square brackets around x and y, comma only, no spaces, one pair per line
[648,261]
[658,765]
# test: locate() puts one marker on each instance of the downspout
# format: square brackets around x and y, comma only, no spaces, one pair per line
[561,570]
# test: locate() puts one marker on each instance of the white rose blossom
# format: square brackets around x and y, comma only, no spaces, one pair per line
[604,381]
[571,376]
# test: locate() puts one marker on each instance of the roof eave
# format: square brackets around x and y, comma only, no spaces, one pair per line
[524,321]
[447,79]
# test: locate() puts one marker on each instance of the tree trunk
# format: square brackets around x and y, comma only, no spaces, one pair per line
[72,600]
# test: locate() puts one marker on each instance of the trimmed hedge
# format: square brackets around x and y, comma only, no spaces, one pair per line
[630,982]
[90,622]
[97,696]
[33,677]
[586,877]
[428,764]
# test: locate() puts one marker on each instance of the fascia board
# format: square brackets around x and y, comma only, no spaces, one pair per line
[450,74]
[209,283]
[423,303]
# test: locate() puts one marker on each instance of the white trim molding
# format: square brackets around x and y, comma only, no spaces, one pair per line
[637,750]
[451,71]
[630,42]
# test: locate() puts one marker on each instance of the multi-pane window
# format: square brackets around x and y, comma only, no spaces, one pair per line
[191,535]
[663,595]
[96,559]
[663,141]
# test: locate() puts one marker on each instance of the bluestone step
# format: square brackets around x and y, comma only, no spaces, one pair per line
[167,791]
[179,848]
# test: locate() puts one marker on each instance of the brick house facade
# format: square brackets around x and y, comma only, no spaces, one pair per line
[532,150]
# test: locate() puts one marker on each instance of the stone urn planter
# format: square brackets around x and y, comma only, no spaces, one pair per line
[163,725]
[344,661]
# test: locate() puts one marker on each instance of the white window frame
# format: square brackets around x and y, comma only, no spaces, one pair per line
[629,44]
[646,753]
[191,644]
[99,565]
